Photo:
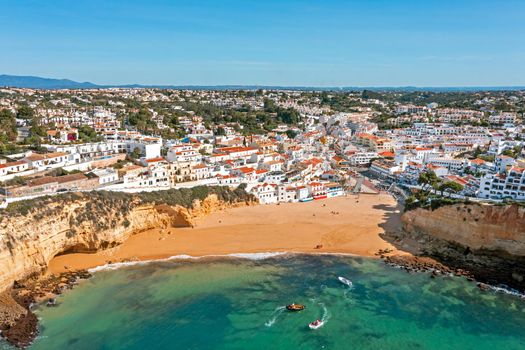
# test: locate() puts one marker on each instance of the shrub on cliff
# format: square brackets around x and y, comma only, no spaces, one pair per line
[99,203]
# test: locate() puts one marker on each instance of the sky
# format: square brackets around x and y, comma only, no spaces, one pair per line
[267,42]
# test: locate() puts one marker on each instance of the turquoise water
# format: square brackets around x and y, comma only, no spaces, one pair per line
[238,304]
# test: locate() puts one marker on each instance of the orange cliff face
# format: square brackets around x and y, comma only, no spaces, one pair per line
[474,225]
[485,239]
[28,242]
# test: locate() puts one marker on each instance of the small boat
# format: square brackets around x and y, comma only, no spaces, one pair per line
[309,199]
[345,281]
[51,302]
[295,307]
[316,324]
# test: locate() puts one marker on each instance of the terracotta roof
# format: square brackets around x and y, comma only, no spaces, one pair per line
[387,154]
[38,156]
[71,177]
[478,161]
[10,164]
[155,160]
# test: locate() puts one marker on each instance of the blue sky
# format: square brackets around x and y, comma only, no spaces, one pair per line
[315,43]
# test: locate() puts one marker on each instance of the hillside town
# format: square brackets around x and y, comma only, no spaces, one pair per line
[282,146]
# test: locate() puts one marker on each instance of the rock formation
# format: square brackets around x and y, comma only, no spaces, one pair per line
[33,235]
[488,240]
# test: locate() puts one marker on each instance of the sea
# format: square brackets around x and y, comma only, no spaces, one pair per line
[238,302]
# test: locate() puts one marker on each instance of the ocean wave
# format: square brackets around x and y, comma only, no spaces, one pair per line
[248,256]
[255,256]
[507,290]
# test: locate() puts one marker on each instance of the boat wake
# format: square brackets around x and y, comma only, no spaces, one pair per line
[275,315]
[326,314]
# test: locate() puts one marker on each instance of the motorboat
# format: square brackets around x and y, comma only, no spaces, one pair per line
[316,324]
[345,281]
[295,307]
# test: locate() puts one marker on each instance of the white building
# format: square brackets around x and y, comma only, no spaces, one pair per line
[500,186]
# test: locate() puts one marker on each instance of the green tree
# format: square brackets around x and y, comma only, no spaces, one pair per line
[25,112]
[220,131]
[270,106]
[87,134]
[8,131]
[428,179]
[291,134]
[450,187]
[288,116]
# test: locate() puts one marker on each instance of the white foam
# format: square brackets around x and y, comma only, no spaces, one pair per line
[509,291]
[279,310]
[326,314]
[248,256]
[256,256]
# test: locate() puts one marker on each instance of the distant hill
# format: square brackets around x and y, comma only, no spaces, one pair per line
[50,83]
[42,83]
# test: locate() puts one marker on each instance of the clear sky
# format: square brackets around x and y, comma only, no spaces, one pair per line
[267,42]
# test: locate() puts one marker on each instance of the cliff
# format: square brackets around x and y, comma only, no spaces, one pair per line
[33,232]
[486,239]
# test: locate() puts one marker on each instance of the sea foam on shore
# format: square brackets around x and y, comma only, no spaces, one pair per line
[247,256]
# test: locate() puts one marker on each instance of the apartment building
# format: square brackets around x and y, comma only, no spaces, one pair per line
[505,185]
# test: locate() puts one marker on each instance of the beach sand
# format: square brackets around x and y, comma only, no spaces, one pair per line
[349,225]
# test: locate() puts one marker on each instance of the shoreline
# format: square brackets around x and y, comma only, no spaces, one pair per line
[342,225]
[350,225]
[245,256]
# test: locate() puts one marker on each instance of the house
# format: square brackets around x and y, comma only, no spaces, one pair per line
[334,189]
[106,175]
[47,160]
[451,164]
[201,171]
[502,162]
[357,158]
[132,174]
[147,147]
[53,184]
[13,167]
[274,165]
[276,177]
[384,168]
[177,154]
[316,188]
[302,193]
[237,152]
[438,170]
[286,194]
[266,193]
[63,136]
[229,180]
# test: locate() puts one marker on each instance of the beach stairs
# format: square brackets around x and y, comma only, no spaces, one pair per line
[358,185]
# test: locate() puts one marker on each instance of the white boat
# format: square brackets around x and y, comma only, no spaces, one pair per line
[345,281]
[316,324]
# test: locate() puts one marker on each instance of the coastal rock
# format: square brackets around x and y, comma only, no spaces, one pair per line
[486,240]
[29,241]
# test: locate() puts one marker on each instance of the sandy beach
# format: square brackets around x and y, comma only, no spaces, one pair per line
[349,225]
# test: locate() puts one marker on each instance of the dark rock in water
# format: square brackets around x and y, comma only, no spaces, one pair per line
[488,266]
[483,286]
[22,333]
